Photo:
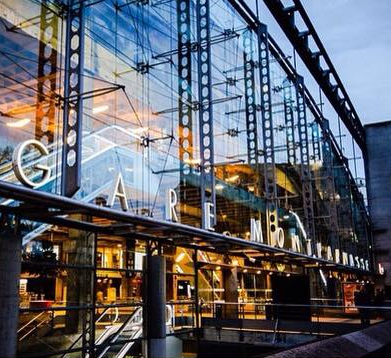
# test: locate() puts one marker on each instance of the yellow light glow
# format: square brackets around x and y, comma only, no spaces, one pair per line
[259,272]
[219,186]
[218,268]
[180,257]
[193,161]
[100,109]
[19,123]
[235,262]
[233,178]
[245,270]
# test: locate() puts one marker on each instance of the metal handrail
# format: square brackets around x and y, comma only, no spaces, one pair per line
[294,305]
[97,320]
[31,321]
[36,326]
[120,330]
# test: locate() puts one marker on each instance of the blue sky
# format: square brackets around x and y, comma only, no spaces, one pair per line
[357,37]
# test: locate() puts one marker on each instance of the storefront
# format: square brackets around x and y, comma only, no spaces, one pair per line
[121,139]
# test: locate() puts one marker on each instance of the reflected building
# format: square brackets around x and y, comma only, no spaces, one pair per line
[165,152]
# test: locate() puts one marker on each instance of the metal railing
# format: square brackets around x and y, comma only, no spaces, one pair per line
[313,319]
[36,322]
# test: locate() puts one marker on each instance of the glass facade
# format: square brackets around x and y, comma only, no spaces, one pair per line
[181,111]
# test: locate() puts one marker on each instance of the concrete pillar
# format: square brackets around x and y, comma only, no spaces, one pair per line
[154,311]
[10,264]
[230,282]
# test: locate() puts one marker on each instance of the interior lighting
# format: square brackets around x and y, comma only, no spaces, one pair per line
[218,268]
[100,109]
[193,161]
[180,257]
[232,179]
[219,186]
[19,123]
[259,272]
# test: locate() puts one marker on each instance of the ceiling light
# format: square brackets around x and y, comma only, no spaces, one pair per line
[19,123]
[100,109]
[259,272]
[219,186]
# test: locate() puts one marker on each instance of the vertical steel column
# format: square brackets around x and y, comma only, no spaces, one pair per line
[47,76]
[305,160]
[267,133]
[249,94]
[73,103]
[205,110]
[184,90]
[88,339]
[289,122]
[328,174]
[315,141]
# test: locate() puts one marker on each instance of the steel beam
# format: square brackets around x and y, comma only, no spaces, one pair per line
[289,122]
[208,196]
[185,94]
[315,136]
[306,177]
[73,102]
[249,93]
[267,132]
[47,75]
[326,75]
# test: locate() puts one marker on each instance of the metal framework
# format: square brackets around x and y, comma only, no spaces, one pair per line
[308,203]
[47,75]
[250,102]
[315,136]
[185,93]
[73,102]
[325,75]
[267,131]
[328,173]
[289,122]
[88,334]
[50,208]
[208,194]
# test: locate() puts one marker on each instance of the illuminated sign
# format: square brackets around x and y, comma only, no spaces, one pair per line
[20,171]
[118,191]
